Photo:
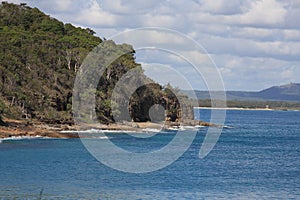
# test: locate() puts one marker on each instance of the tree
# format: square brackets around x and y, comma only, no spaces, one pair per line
[90,31]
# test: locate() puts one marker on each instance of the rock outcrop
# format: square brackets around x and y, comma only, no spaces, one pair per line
[2,123]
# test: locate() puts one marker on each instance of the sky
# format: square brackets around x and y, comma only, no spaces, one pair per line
[253,44]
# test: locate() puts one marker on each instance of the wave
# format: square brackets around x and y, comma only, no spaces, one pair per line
[98,131]
[152,130]
[89,132]
[183,128]
[98,137]
[22,138]
[228,127]
[191,127]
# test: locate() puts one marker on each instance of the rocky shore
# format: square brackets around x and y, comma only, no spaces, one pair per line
[17,128]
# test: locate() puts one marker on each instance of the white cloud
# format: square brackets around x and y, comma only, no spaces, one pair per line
[264,13]
[65,5]
[260,34]
[291,35]
[150,20]
[130,7]
[249,73]
[224,7]
[155,37]
[164,74]
[94,15]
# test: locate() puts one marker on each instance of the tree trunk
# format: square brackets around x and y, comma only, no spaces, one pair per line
[69,58]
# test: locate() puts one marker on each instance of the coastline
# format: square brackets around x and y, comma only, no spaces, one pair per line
[233,108]
[26,129]
[21,128]
[238,108]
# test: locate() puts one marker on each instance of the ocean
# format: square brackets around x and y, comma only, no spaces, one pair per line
[256,157]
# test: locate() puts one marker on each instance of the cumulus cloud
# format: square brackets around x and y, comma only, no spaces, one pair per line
[129,7]
[248,73]
[264,13]
[164,74]
[223,7]
[291,35]
[94,15]
[155,37]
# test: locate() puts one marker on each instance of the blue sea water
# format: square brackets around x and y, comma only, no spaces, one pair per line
[257,158]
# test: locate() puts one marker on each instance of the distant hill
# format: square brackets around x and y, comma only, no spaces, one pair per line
[288,92]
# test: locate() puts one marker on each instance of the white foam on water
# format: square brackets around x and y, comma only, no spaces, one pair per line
[228,127]
[188,128]
[98,131]
[152,130]
[174,128]
[99,137]
[22,138]
[183,128]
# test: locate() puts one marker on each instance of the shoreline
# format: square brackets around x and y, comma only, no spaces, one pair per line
[237,108]
[21,128]
[35,129]
[233,108]
[24,128]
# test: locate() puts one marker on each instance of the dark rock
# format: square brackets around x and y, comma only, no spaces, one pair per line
[2,123]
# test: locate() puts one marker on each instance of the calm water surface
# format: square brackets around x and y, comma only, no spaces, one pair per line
[258,158]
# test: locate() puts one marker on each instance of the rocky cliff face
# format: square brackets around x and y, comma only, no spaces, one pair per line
[153,103]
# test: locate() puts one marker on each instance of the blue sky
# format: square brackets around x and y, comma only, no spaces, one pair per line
[254,43]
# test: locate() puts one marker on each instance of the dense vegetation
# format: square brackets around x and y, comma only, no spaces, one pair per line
[39,59]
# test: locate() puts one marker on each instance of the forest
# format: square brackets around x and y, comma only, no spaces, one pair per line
[39,59]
